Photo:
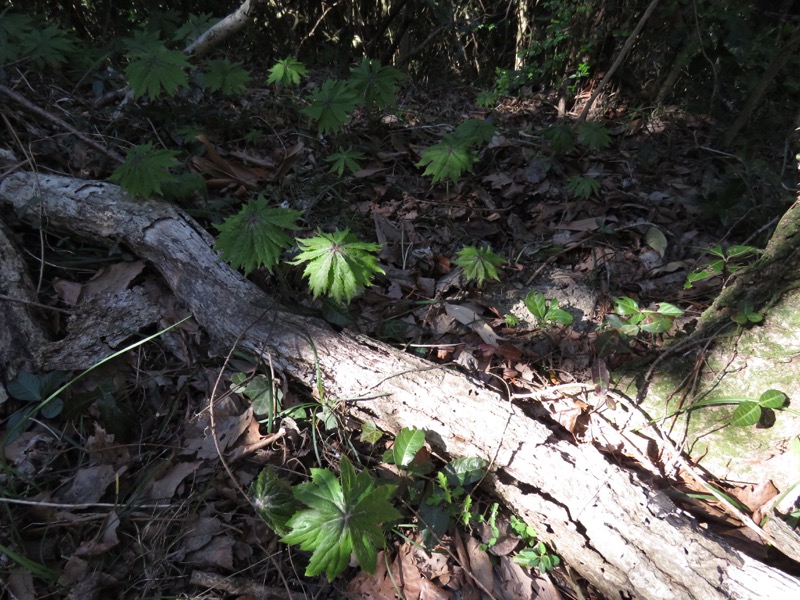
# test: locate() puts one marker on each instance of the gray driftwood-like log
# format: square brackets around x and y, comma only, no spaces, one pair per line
[622,535]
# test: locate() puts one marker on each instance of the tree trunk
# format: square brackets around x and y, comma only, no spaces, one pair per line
[621,534]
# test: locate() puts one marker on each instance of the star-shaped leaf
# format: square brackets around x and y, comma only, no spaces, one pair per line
[376,83]
[448,159]
[157,70]
[256,235]
[331,105]
[145,170]
[338,264]
[344,516]
[225,76]
[287,72]
[479,264]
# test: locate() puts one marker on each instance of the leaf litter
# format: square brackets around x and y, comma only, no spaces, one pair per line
[132,490]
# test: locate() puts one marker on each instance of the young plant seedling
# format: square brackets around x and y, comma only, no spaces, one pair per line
[546,312]
[723,262]
[630,319]
[479,264]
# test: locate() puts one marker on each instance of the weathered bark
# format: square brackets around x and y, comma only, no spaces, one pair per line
[622,535]
[21,332]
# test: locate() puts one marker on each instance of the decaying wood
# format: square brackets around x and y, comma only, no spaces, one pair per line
[622,535]
[21,332]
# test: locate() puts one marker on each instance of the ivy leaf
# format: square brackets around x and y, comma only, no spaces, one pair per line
[155,70]
[479,264]
[344,516]
[331,105]
[226,77]
[339,264]
[256,235]
[287,72]
[376,83]
[145,170]
[448,159]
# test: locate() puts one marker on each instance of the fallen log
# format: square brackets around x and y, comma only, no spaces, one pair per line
[615,530]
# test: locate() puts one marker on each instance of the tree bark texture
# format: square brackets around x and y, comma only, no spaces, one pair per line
[621,534]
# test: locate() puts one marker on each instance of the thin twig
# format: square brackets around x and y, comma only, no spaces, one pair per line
[620,58]
[23,101]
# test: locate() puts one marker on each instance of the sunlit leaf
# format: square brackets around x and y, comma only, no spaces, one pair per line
[746,414]
[344,516]
[256,236]
[479,264]
[338,264]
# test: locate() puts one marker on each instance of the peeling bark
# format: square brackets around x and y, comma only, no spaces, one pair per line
[618,532]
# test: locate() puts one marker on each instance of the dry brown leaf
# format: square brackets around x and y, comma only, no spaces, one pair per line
[514,582]
[111,280]
[105,542]
[480,566]
[20,585]
[88,485]
[164,488]
[468,316]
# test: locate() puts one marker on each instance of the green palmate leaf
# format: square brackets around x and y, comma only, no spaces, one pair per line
[273,500]
[14,27]
[561,138]
[256,235]
[157,70]
[473,132]
[338,264]
[287,72]
[330,106]
[226,77]
[376,84]
[345,160]
[145,170]
[48,45]
[583,187]
[344,516]
[479,264]
[448,159]
[593,135]
[194,26]
[486,99]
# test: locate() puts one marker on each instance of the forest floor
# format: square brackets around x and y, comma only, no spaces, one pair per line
[121,493]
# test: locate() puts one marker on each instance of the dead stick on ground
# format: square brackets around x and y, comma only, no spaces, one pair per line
[30,106]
